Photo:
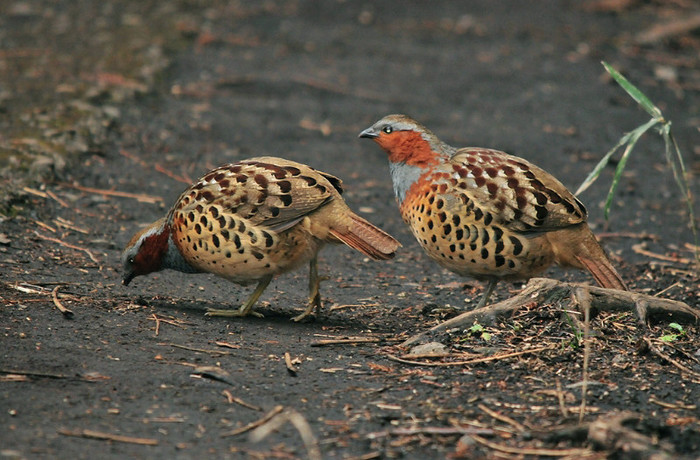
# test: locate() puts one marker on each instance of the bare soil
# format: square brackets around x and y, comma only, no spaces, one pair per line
[108,110]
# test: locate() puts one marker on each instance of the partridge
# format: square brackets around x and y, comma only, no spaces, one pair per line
[249,221]
[484,213]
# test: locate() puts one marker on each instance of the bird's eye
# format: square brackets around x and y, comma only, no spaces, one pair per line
[131,260]
[387,129]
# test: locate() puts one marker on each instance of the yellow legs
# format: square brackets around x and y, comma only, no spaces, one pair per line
[247,308]
[314,293]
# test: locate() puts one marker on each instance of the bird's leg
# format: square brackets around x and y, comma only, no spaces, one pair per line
[314,292]
[487,293]
[247,308]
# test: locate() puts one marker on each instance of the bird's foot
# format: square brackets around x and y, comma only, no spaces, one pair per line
[314,302]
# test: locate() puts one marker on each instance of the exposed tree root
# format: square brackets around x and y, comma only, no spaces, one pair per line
[548,291]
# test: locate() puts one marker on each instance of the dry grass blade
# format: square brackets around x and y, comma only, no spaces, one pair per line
[299,422]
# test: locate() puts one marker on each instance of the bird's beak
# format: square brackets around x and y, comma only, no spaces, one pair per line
[369,133]
[127,278]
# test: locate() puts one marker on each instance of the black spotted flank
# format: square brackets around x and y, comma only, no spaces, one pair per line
[500,260]
[541,212]
[257,255]
[499,246]
[485,237]
[294,171]
[517,245]
[268,239]
[310,181]
[286,199]
[215,241]
[285,186]
[260,180]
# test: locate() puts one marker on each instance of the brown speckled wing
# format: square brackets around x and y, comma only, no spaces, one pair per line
[509,191]
[266,191]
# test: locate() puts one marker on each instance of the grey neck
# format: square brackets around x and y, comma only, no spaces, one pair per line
[174,260]
[403,176]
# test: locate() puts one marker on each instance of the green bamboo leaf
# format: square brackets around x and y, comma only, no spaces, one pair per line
[634,92]
[633,138]
[593,175]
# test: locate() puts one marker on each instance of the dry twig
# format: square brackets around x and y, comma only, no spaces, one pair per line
[611,432]
[68,245]
[583,298]
[137,196]
[437,430]
[66,312]
[200,350]
[472,361]
[503,418]
[92,434]
[253,425]
[574,453]
[671,405]
[544,290]
[673,28]
[639,249]
[657,351]
[357,340]
[233,399]
[291,368]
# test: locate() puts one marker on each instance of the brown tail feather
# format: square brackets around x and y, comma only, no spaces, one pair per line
[576,246]
[603,272]
[368,239]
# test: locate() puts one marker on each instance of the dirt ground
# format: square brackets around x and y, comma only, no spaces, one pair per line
[108,110]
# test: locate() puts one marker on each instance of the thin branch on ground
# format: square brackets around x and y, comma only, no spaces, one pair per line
[539,291]
[66,312]
[92,434]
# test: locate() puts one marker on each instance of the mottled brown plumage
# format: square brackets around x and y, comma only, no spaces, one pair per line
[484,213]
[251,220]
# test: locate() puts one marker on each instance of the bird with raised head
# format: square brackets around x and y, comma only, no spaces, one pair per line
[484,213]
[251,220]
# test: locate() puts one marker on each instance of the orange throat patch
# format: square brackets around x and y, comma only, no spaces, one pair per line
[408,147]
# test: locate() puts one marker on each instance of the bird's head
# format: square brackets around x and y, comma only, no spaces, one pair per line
[406,141]
[145,251]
